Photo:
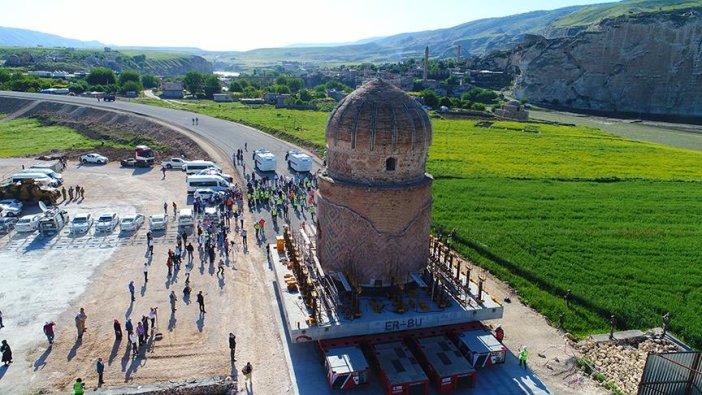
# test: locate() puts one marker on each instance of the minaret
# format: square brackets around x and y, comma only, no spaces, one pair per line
[426,63]
[458,54]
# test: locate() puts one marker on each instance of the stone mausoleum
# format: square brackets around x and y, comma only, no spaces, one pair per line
[374,197]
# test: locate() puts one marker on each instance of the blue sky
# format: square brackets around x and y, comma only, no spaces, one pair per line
[243,25]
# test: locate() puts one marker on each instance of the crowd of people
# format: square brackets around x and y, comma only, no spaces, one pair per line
[214,237]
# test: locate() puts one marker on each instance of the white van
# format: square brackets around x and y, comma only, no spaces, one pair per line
[299,161]
[194,166]
[41,179]
[48,172]
[185,217]
[265,160]
[216,183]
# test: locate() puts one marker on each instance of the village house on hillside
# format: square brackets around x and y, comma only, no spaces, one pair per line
[172,90]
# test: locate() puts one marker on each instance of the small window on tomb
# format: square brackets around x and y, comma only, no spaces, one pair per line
[390,164]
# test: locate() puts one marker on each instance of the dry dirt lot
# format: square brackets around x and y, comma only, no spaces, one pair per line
[50,279]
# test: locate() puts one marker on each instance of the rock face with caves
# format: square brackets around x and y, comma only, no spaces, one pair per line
[647,63]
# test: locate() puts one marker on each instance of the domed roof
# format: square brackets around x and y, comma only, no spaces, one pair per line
[378,133]
[379,116]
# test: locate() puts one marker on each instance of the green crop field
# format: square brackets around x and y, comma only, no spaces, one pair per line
[677,135]
[550,208]
[27,136]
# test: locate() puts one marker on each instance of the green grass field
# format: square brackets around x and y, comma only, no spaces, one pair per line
[306,125]
[556,208]
[27,136]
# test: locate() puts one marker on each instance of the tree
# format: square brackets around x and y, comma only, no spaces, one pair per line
[305,95]
[480,95]
[129,81]
[78,86]
[250,91]
[130,86]
[23,83]
[295,84]
[337,86]
[150,81]
[452,80]
[212,85]
[235,86]
[193,82]
[430,98]
[4,75]
[282,89]
[129,75]
[101,76]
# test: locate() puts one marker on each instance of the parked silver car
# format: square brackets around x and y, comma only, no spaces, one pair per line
[28,223]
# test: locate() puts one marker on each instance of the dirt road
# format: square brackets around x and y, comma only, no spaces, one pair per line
[95,273]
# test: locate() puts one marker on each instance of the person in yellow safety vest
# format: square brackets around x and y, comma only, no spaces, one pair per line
[523,355]
[78,387]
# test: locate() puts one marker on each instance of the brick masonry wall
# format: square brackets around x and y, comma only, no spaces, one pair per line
[373,233]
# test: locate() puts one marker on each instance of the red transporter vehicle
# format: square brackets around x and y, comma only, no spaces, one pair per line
[444,364]
[399,371]
[346,367]
[481,348]
[144,153]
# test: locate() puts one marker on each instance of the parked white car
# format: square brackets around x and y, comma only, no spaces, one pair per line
[106,222]
[93,158]
[173,163]
[185,217]
[158,222]
[28,223]
[131,222]
[216,172]
[204,193]
[11,207]
[81,223]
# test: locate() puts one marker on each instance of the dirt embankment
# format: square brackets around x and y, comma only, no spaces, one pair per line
[109,126]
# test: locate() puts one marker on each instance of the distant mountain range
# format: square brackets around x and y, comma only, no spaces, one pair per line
[475,38]
[13,37]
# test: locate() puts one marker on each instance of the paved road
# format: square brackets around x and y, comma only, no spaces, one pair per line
[228,136]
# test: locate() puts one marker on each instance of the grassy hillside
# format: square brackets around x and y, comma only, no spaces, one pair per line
[160,63]
[25,136]
[591,15]
[551,208]
[476,37]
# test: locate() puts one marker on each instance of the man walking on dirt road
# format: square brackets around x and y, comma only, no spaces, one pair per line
[232,346]
[80,323]
[100,369]
[131,290]
[173,299]
[201,302]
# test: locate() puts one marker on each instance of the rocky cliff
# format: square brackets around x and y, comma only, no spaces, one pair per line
[647,63]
